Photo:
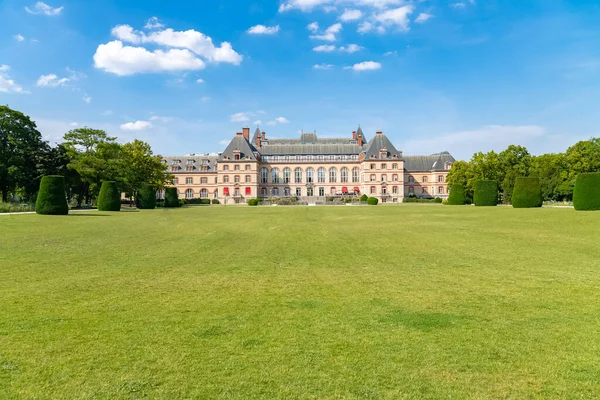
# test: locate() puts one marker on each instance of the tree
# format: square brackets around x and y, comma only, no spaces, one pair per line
[20,143]
[460,173]
[515,161]
[552,171]
[141,167]
[52,199]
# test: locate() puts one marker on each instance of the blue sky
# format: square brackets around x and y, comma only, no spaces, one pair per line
[457,75]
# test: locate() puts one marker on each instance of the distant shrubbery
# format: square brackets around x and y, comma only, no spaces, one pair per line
[372,201]
[457,195]
[171,197]
[216,201]
[52,198]
[527,193]
[412,199]
[364,197]
[197,201]
[109,198]
[486,193]
[146,198]
[15,207]
[253,202]
[586,195]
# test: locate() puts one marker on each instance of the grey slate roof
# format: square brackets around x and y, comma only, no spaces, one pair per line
[240,143]
[434,162]
[380,141]
[257,134]
[359,132]
[209,160]
[310,144]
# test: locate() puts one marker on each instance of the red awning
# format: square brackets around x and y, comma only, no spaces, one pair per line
[248,190]
[344,190]
[356,189]
[226,191]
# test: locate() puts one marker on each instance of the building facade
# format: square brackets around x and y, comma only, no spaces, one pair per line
[309,168]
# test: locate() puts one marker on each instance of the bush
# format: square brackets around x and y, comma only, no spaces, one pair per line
[109,198]
[486,193]
[527,193]
[417,200]
[372,201]
[216,201]
[253,202]
[438,200]
[52,198]
[15,207]
[457,195]
[146,198]
[586,195]
[364,197]
[197,201]
[171,197]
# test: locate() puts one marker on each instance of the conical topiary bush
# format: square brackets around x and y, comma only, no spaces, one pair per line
[586,195]
[171,197]
[109,198]
[52,198]
[146,198]
[527,193]
[486,193]
[457,195]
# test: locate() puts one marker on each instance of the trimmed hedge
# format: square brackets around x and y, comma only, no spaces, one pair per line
[253,202]
[438,200]
[364,197]
[216,201]
[109,198]
[52,198]
[457,195]
[586,195]
[486,193]
[372,201]
[527,193]
[146,198]
[419,200]
[172,197]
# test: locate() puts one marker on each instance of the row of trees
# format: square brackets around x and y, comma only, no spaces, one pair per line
[86,158]
[556,172]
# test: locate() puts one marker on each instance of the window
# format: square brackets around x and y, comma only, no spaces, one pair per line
[203,193]
[189,194]
[248,191]
[372,189]
[384,166]
[411,179]
[263,192]
[190,168]
[298,192]
[236,167]
[236,192]
[424,179]
[225,179]
[395,178]
[383,190]
[332,175]
[355,175]
[321,175]
[248,179]
[236,179]
[287,175]
[298,175]
[248,167]
[275,191]
[411,190]
[264,174]
[332,191]
[440,178]
[275,175]
[372,166]
[384,178]
[395,190]
[441,190]
[372,177]
[394,166]
[286,191]
[189,181]
[321,191]
[175,181]
[344,174]
[309,191]
[204,180]
[225,167]
[310,175]
[160,195]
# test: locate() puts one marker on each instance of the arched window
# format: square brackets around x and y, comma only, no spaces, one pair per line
[310,175]
[275,191]
[344,174]
[275,175]
[287,175]
[203,193]
[321,175]
[189,194]
[355,175]
[332,175]
[298,175]
[248,179]
[264,175]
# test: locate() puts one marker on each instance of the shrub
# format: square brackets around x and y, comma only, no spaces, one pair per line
[486,193]
[109,198]
[364,197]
[586,195]
[197,201]
[438,200]
[52,198]
[146,198]
[457,195]
[216,201]
[418,200]
[253,202]
[15,207]
[527,193]
[372,201]
[171,197]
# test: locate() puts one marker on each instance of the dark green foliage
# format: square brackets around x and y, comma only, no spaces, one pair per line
[486,193]
[457,195]
[171,197]
[197,201]
[438,200]
[109,198]
[364,197]
[146,198]
[216,201]
[372,201]
[412,199]
[52,198]
[253,202]
[527,193]
[586,195]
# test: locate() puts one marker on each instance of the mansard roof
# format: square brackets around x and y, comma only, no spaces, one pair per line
[377,144]
[241,145]
[310,144]
[434,162]
[209,161]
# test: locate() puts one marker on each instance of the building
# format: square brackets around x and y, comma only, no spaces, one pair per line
[310,168]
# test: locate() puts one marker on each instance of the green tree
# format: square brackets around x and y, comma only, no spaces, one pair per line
[460,174]
[142,168]
[553,172]
[515,162]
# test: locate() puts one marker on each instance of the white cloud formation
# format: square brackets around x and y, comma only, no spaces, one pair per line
[51,80]
[390,53]
[396,16]
[241,117]
[136,126]
[199,80]
[19,38]
[365,66]
[153,23]
[278,120]
[263,30]
[313,27]
[87,99]
[351,48]
[43,8]
[323,66]
[158,118]
[7,85]
[324,48]
[329,34]
[351,15]
[423,17]
[257,122]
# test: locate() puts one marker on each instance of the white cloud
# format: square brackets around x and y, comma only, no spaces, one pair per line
[263,30]
[326,48]
[241,117]
[303,5]
[43,8]
[390,53]
[351,15]
[19,38]
[257,122]
[73,124]
[164,120]
[51,80]
[396,16]
[423,17]
[313,27]
[7,85]
[365,66]
[136,126]
[365,27]
[351,48]
[460,4]
[330,33]
[199,80]
[87,99]
[153,23]
[278,120]
[322,66]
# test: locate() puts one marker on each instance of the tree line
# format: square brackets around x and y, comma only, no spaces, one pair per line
[556,172]
[85,158]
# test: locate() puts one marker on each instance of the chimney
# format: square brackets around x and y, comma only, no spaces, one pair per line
[354,135]
[246,132]
[379,132]
[258,139]
[263,136]
[360,140]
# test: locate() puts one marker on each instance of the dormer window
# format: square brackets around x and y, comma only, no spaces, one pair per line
[236,154]
[175,162]
[383,153]
[190,162]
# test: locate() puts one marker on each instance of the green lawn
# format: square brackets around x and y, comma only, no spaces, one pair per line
[411,301]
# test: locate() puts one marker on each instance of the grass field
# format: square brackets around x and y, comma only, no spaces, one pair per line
[301,302]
